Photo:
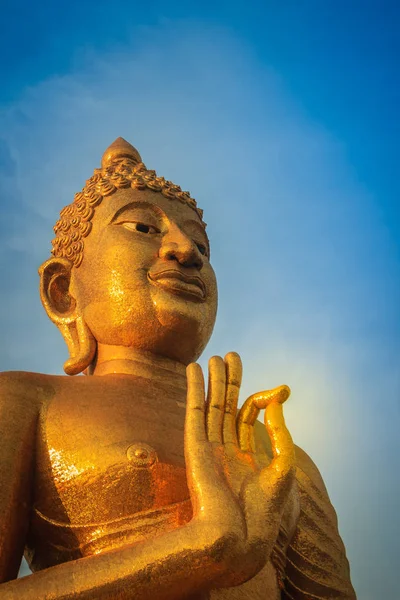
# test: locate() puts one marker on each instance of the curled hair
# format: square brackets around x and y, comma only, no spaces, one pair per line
[75,219]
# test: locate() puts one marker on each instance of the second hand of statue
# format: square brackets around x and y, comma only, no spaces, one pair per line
[229,491]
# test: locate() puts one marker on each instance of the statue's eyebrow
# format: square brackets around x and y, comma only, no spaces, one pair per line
[138,204]
[200,228]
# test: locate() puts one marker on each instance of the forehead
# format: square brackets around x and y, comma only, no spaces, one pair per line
[174,210]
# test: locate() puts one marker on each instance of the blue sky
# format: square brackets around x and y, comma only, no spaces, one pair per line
[282,121]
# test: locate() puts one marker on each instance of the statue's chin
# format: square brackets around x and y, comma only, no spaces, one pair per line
[166,325]
[182,336]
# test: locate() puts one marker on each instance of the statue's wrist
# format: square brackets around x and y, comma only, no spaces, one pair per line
[230,560]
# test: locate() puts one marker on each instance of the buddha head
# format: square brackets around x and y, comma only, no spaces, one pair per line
[130,266]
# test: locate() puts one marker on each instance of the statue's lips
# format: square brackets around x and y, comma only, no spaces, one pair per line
[179,283]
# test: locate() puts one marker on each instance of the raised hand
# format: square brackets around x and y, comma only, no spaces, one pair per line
[232,494]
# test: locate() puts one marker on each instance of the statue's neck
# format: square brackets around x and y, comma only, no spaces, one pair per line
[130,361]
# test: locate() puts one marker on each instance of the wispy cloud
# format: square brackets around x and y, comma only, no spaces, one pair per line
[307,270]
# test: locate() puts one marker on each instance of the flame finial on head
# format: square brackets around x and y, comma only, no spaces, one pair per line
[120,148]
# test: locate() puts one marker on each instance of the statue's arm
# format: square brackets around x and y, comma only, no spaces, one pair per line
[167,567]
[316,566]
[18,418]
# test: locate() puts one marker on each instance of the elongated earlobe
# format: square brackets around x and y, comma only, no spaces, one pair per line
[60,306]
[82,347]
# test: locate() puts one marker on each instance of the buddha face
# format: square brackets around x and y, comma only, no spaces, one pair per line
[146,281]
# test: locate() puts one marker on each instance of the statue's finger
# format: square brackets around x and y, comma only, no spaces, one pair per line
[195,429]
[245,425]
[234,370]
[279,394]
[199,457]
[281,470]
[215,398]
[251,409]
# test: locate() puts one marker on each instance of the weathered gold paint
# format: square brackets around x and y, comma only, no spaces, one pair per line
[134,482]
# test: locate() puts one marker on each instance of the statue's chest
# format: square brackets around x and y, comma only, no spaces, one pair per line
[99,461]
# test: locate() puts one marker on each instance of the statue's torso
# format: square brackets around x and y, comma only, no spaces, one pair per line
[110,471]
[110,450]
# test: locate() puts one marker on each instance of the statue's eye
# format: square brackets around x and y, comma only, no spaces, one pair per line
[202,249]
[142,227]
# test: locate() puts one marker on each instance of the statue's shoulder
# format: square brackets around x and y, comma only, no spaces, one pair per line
[25,388]
[307,466]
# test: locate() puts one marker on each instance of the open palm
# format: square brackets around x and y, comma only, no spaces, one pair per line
[230,491]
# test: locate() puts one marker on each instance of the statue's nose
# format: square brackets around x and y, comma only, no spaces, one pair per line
[176,245]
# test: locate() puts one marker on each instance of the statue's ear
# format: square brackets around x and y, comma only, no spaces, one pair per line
[60,305]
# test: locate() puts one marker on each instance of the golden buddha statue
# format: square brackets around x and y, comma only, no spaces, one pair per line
[134,482]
